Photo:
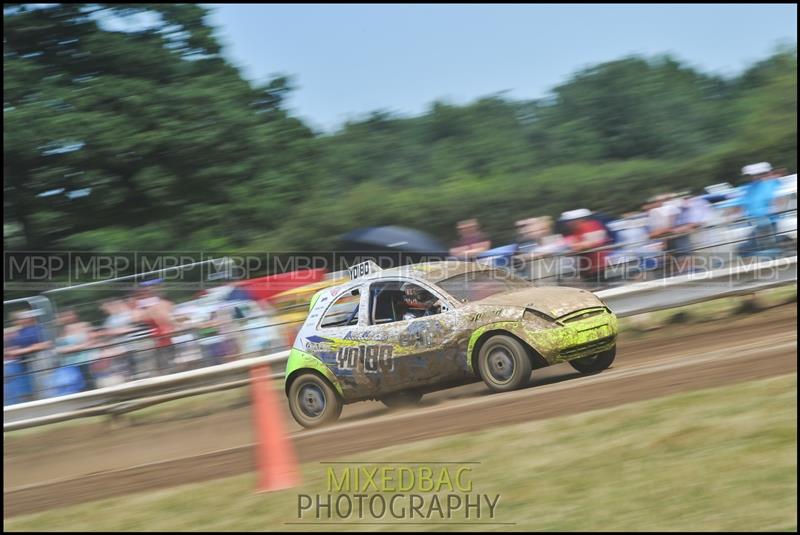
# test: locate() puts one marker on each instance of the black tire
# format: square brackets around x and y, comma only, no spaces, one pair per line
[595,363]
[404,398]
[503,363]
[313,401]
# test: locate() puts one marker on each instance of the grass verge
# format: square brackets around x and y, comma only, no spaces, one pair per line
[716,459]
[714,310]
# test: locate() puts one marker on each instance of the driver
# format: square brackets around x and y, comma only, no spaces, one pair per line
[418,302]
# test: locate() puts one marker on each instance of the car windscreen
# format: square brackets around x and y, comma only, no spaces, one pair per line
[477,285]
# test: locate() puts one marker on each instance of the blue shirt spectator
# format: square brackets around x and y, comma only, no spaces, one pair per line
[22,345]
[758,197]
[28,336]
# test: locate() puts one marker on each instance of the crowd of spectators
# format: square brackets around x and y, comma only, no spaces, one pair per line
[142,335]
[664,233]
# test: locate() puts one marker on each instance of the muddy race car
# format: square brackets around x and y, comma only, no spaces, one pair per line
[393,335]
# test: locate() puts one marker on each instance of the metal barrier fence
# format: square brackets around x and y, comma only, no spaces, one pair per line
[133,357]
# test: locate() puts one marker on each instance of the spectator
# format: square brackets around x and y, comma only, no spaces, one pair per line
[187,353]
[156,312]
[120,322]
[120,317]
[692,214]
[109,366]
[21,354]
[74,344]
[584,233]
[634,253]
[632,230]
[17,386]
[758,204]
[471,240]
[760,192]
[660,215]
[536,236]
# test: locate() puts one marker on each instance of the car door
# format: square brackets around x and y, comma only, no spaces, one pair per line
[412,352]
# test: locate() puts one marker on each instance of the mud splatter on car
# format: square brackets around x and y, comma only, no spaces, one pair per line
[402,332]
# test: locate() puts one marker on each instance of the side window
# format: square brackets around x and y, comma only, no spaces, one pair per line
[344,311]
[398,301]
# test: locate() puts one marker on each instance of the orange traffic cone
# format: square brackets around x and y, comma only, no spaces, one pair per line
[277,464]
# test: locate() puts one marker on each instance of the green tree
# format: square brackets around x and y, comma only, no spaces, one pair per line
[633,108]
[122,116]
[125,128]
[767,109]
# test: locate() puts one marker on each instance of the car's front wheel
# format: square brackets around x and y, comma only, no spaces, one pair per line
[504,364]
[398,400]
[595,363]
[313,401]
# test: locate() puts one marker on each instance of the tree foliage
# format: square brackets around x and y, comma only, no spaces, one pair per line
[125,128]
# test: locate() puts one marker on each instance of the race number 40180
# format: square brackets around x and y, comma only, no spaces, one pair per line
[368,358]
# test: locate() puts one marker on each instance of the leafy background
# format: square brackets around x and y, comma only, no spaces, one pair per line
[131,135]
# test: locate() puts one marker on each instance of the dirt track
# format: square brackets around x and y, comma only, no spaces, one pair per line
[81,463]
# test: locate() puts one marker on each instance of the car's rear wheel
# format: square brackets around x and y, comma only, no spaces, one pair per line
[313,401]
[595,363]
[398,400]
[504,364]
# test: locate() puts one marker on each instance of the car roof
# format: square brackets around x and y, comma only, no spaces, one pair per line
[431,272]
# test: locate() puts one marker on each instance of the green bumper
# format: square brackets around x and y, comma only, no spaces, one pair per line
[576,337]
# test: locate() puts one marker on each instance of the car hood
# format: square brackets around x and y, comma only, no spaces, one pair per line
[555,301]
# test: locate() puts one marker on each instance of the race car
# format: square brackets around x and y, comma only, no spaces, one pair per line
[393,335]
